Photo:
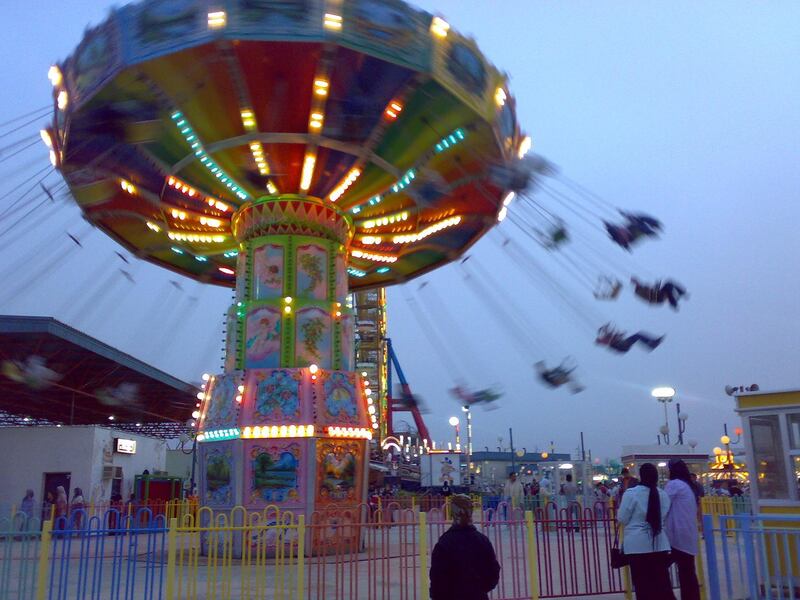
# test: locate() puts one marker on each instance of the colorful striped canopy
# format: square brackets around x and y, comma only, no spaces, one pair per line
[173,113]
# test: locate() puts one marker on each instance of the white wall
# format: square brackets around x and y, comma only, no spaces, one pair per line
[27,453]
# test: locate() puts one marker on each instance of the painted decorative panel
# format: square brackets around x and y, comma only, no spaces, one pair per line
[313,345]
[218,474]
[273,397]
[223,410]
[339,470]
[268,272]
[263,338]
[338,403]
[275,473]
[312,272]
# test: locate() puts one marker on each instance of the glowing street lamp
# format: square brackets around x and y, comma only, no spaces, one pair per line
[664,395]
[454,423]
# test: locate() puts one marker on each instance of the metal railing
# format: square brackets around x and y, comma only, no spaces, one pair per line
[753,556]
[337,554]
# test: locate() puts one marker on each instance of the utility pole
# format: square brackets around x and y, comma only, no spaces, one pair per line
[511,441]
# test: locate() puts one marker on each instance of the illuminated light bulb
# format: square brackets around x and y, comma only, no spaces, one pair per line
[509,198]
[725,440]
[369,400]
[53,159]
[287,309]
[62,99]
[363,373]
[313,369]
[55,76]
[240,389]
[239,398]
[310,431]
[313,377]
[200,437]
[48,141]
[368,392]
[292,431]
[321,87]
[500,97]
[308,171]
[288,299]
[524,146]
[315,122]
[196,414]
[273,431]
[301,431]
[439,27]
[332,21]
[110,417]
[225,270]
[502,214]
[374,425]
[257,431]
[371,409]
[217,19]
[200,395]
[283,431]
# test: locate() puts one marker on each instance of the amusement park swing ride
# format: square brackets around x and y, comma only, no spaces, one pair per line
[299,154]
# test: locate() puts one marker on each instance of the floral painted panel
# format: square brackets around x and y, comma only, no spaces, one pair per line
[276,396]
[339,469]
[341,399]
[263,338]
[223,410]
[313,342]
[268,272]
[218,474]
[274,473]
[312,272]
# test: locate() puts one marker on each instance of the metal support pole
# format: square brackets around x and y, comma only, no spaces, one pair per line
[511,441]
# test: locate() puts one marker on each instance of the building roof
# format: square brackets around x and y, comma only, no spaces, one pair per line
[53,373]
[527,457]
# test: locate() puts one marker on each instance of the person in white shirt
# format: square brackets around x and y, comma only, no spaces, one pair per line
[642,512]
[513,493]
[681,526]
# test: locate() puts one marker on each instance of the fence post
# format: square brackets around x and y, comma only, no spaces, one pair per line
[533,553]
[172,538]
[711,557]
[44,560]
[301,555]
[423,555]
[701,574]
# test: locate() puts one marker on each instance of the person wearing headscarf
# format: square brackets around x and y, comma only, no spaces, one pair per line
[642,512]
[463,563]
[681,526]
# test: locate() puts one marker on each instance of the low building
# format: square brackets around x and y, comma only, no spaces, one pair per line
[493,468]
[635,456]
[98,460]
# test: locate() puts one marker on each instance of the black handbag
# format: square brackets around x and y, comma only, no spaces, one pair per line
[618,557]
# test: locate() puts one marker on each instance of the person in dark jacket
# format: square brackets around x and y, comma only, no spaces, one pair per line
[463,564]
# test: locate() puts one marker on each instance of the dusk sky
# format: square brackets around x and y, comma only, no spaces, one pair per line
[689,111]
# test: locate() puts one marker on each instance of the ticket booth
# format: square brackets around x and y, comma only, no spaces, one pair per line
[772,441]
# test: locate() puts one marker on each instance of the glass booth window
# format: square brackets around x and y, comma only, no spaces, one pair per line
[769,458]
[794,430]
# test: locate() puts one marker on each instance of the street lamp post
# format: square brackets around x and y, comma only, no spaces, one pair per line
[469,441]
[665,396]
[454,422]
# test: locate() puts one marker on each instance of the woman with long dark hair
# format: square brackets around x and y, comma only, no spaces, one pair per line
[681,526]
[642,512]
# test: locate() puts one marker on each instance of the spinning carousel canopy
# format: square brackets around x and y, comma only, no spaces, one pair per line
[172,114]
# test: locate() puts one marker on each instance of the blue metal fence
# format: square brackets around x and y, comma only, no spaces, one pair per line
[114,557]
[755,557]
[20,538]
